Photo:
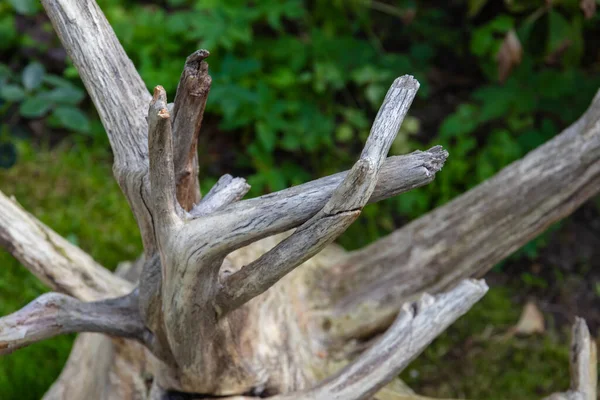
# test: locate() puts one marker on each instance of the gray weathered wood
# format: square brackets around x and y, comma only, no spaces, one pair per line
[188,110]
[191,256]
[119,94]
[469,235]
[342,208]
[104,367]
[414,329]
[226,191]
[54,314]
[58,263]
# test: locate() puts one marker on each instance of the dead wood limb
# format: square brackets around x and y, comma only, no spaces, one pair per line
[188,110]
[469,235]
[61,265]
[162,176]
[253,219]
[415,327]
[119,94]
[101,367]
[54,314]
[337,214]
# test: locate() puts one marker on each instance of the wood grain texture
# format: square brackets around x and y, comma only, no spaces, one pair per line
[54,314]
[415,327]
[118,93]
[469,235]
[188,110]
[58,263]
[342,208]
[103,367]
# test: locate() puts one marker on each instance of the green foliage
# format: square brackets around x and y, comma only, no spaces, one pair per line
[33,95]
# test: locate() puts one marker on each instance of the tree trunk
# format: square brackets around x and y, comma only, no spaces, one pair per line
[249,298]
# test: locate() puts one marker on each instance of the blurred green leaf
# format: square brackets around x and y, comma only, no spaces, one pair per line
[64,95]
[27,7]
[72,118]
[33,75]
[8,155]
[12,92]
[34,107]
[57,81]
[344,133]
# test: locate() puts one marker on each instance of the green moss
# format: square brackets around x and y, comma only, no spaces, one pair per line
[475,358]
[71,189]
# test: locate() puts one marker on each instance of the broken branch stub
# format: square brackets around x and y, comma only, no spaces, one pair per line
[188,111]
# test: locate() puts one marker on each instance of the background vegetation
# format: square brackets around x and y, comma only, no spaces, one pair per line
[296,85]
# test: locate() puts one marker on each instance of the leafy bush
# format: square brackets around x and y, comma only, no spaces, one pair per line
[296,85]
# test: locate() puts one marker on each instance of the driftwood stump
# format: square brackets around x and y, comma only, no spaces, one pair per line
[243,299]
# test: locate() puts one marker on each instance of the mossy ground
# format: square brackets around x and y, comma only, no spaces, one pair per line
[476,358]
[71,189]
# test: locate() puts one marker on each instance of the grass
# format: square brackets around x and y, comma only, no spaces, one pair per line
[71,189]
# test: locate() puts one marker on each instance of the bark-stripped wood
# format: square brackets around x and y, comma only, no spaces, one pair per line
[54,260]
[188,110]
[103,367]
[414,329]
[342,208]
[267,320]
[469,235]
[54,314]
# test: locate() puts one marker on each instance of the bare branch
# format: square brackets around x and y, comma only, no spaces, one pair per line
[54,314]
[162,179]
[119,94]
[286,209]
[117,90]
[584,365]
[101,366]
[227,190]
[61,265]
[188,110]
[338,213]
[414,329]
[469,235]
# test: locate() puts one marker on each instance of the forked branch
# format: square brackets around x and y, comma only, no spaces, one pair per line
[55,314]
[414,329]
[470,234]
[337,214]
[226,191]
